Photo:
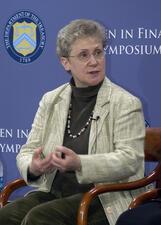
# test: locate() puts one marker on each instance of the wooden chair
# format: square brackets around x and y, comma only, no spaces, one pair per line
[152,154]
[152,151]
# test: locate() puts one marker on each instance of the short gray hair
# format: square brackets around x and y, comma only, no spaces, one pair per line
[77,29]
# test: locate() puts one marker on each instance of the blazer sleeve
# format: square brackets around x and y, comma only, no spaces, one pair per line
[34,141]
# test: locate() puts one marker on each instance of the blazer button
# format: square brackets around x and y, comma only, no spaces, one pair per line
[109,210]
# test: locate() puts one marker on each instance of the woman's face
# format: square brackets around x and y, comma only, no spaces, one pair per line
[86,62]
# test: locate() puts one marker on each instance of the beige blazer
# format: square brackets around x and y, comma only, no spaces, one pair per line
[116,142]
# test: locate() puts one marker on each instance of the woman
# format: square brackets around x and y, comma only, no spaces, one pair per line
[85,132]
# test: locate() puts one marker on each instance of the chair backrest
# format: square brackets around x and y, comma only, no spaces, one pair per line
[152,150]
[152,146]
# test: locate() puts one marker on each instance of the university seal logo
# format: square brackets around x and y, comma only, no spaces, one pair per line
[24,37]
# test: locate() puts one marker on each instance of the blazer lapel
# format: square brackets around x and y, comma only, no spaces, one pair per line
[61,112]
[101,112]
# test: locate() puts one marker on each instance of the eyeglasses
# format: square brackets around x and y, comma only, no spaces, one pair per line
[84,56]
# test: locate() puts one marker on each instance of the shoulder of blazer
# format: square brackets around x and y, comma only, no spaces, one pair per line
[57,94]
[121,95]
[115,94]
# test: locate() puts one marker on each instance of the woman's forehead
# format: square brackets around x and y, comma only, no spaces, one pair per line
[86,43]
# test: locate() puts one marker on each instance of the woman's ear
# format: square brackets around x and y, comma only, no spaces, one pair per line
[65,63]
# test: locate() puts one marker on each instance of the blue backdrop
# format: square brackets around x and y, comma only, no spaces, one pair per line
[133,59]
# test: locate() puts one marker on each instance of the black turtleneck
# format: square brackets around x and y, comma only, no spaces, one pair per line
[83,101]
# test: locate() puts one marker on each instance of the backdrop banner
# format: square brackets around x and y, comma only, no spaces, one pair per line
[29,66]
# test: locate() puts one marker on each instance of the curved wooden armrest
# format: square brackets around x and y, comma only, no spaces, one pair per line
[144,197]
[100,189]
[8,189]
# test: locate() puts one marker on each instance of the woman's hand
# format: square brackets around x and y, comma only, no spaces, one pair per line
[41,165]
[65,159]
